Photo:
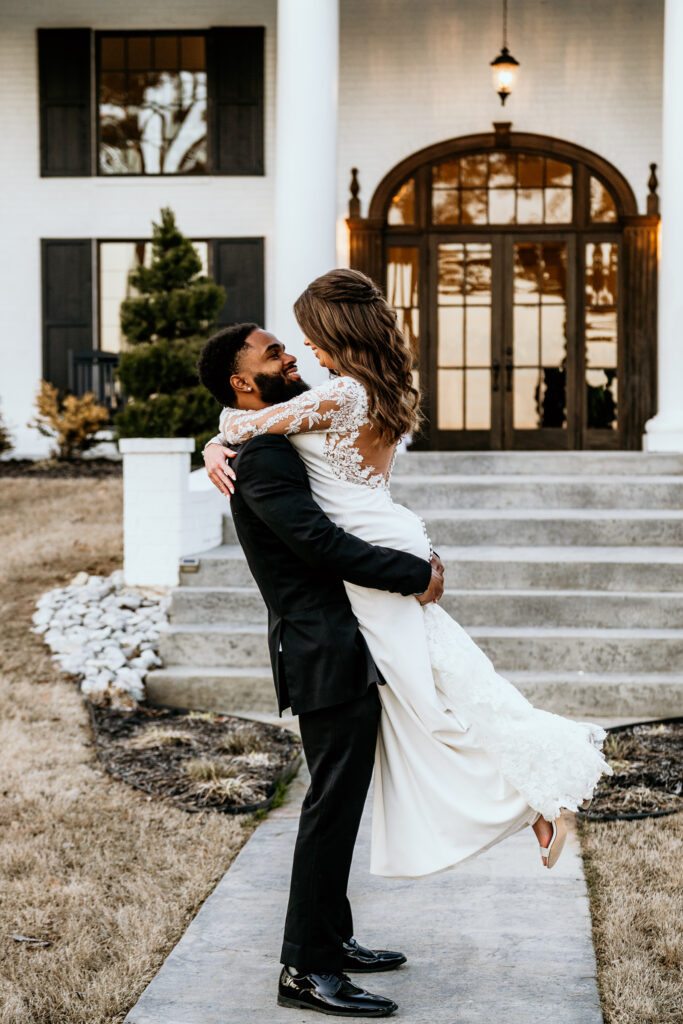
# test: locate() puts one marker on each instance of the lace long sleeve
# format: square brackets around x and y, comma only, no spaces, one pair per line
[337,405]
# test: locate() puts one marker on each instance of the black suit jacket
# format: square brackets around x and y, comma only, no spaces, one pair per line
[299,559]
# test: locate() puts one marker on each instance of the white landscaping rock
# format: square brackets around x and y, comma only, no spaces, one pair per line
[104,633]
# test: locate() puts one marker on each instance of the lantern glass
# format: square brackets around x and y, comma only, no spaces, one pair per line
[504,77]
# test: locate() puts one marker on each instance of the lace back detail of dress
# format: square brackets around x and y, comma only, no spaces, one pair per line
[338,408]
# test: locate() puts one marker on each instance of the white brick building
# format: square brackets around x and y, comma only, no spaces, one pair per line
[526,263]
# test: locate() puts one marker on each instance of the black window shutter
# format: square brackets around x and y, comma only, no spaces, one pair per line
[65,116]
[235,84]
[237,265]
[67,305]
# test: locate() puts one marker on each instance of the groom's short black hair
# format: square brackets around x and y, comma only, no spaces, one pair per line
[219,359]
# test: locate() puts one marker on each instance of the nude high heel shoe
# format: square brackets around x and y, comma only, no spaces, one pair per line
[554,848]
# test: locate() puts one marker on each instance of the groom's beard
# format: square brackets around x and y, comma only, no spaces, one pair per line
[276,387]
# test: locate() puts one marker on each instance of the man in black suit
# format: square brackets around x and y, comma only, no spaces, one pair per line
[321,664]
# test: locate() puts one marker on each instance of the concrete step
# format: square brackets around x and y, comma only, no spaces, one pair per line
[537,491]
[529,526]
[215,688]
[546,463]
[198,605]
[494,567]
[513,648]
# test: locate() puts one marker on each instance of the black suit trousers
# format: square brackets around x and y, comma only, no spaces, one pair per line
[339,746]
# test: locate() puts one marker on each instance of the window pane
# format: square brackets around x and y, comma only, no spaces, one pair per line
[601,338]
[450,399]
[446,175]
[402,292]
[601,274]
[558,205]
[602,204]
[601,399]
[477,399]
[473,206]
[451,274]
[526,272]
[557,173]
[166,52]
[478,287]
[526,393]
[402,209]
[445,206]
[502,206]
[473,171]
[530,171]
[554,272]
[112,55]
[525,336]
[502,170]
[139,52]
[451,336]
[478,336]
[530,206]
[193,53]
[553,340]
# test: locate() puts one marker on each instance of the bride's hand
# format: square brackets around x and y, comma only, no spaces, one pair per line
[218,468]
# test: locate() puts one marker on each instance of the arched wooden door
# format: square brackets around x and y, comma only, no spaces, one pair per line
[508,258]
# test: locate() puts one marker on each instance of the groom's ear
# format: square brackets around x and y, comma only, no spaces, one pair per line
[239,384]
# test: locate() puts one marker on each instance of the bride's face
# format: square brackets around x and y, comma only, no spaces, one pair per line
[324,358]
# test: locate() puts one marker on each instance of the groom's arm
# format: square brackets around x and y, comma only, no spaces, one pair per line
[274,484]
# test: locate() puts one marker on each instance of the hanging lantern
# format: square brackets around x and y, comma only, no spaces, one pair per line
[504,67]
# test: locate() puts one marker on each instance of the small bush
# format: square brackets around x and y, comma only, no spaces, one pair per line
[72,427]
[6,444]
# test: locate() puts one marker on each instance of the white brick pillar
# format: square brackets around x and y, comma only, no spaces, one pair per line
[156,471]
[305,161]
[664,432]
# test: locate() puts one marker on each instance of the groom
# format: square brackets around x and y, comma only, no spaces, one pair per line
[322,666]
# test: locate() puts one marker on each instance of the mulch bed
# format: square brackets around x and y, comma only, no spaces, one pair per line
[198,760]
[95,467]
[647,759]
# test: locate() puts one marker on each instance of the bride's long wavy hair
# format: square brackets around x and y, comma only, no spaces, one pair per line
[345,314]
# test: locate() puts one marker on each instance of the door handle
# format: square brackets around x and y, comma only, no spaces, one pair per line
[495,366]
[508,375]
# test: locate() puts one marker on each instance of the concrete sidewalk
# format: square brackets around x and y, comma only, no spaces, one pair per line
[498,940]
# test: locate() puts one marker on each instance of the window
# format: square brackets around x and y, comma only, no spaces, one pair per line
[178,102]
[502,188]
[152,103]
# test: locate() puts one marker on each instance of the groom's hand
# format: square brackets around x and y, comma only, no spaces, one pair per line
[218,468]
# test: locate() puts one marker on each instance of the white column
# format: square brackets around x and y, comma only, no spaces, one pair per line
[664,432]
[305,161]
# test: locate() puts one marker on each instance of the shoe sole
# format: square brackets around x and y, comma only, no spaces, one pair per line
[299,1005]
[374,970]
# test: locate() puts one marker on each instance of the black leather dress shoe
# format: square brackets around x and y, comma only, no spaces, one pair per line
[330,993]
[358,958]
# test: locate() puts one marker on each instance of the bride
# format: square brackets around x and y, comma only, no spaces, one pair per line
[463,759]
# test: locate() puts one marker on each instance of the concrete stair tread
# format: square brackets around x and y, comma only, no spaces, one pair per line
[552,513]
[583,632]
[496,479]
[579,676]
[560,553]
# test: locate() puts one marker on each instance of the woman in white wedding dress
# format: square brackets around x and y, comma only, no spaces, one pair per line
[463,759]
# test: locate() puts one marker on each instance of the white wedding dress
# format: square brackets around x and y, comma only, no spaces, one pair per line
[463,759]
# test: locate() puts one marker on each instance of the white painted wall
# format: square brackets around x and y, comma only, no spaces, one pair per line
[412,72]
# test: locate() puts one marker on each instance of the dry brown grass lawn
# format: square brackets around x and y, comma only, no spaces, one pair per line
[108,877]
[634,871]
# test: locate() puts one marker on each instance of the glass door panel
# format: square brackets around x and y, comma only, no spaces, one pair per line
[463,364]
[601,327]
[537,333]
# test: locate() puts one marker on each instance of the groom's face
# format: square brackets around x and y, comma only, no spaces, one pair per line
[269,370]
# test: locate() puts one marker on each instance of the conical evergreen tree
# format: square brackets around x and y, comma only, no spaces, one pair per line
[166,326]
